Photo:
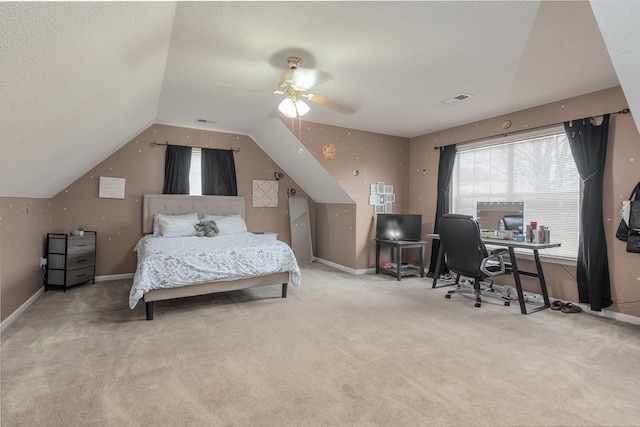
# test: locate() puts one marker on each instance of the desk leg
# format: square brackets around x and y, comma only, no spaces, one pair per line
[543,283]
[516,277]
[377,258]
[421,260]
[436,272]
[399,264]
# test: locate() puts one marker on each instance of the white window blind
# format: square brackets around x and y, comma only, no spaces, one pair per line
[195,172]
[537,170]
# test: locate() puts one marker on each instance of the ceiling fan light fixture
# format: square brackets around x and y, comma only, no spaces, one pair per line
[293,109]
[288,108]
[302,107]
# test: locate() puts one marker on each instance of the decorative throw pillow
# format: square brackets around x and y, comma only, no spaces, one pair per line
[206,228]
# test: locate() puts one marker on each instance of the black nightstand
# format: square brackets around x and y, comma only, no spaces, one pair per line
[71,260]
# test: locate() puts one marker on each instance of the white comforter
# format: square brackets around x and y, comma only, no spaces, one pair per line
[166,262]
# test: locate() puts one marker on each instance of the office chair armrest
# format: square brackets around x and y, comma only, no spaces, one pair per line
[493,257]
[499,251]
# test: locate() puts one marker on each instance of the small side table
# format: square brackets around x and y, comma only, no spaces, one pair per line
[399,245]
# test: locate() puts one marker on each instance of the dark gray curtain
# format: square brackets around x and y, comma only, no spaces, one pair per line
[445,171]
[589,147]
[218,173]
[177,162]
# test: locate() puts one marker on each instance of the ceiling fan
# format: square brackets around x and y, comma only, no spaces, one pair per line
[295,85]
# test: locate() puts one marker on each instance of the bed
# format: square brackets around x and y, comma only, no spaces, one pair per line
[177,267]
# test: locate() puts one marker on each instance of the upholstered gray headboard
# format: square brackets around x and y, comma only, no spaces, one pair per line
[175,204]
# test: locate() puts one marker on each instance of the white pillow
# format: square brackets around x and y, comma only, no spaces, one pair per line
[186,217]
[217,217]
[176,228]
[229,224]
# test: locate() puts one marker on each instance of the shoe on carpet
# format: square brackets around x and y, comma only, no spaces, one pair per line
[557,305]
[570,308]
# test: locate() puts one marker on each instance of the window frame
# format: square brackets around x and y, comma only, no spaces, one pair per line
[512,139]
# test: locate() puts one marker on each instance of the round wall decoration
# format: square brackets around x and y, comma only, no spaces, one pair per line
[329,151]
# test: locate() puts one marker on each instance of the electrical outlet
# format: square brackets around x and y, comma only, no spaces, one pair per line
[43,262]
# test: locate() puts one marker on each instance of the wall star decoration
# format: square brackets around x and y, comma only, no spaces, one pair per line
[329,151]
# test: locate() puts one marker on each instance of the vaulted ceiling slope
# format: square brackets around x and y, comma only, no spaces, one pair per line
[79,80]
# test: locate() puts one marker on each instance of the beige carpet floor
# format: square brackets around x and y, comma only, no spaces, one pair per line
[343,350]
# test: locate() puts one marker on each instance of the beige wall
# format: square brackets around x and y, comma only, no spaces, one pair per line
[376,157]
[336,237]
[24,224]
[621,175]
[119,222]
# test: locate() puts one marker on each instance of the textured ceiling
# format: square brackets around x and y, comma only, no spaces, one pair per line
[79,80]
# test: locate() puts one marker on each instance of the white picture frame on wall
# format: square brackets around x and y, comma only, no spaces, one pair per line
[265,193]
[111,188]
[388,208]
[380,187]
[389,197]
[379,209]
[373,189]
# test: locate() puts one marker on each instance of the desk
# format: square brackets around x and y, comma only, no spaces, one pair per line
[399,245]
[512,244]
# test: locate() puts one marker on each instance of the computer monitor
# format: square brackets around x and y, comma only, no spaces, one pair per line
[406,227]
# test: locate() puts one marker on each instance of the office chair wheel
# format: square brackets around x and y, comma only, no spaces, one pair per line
[477,304]
[447,296]
[507,303]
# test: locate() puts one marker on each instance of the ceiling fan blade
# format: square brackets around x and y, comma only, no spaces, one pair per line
[224,90]
[304,78]
[329,103]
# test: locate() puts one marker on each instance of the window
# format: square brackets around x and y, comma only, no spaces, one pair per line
[195,172]
[538,170]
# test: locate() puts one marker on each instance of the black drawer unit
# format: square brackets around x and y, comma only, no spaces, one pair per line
[71,260]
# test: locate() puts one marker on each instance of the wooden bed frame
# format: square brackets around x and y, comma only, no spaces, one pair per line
[173,204]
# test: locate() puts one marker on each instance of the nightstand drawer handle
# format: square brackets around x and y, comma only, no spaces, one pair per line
[82,260]
[81,275]
[85,244]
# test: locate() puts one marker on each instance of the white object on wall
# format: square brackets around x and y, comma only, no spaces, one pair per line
[265,193]
[381,197]
[111,188]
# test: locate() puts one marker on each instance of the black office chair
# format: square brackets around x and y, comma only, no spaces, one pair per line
[466,255]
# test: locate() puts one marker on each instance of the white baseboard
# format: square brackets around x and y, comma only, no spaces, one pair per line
[13,316]
[114,277]
[345,269]
[621,317]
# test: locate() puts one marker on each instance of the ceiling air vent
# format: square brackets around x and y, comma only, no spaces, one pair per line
[205,121]
[457,98]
